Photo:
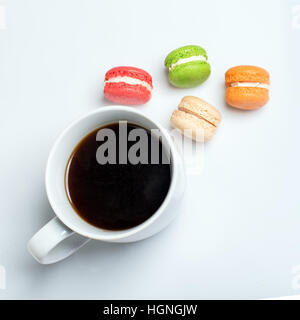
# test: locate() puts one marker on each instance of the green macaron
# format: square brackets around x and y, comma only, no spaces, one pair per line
[188,66]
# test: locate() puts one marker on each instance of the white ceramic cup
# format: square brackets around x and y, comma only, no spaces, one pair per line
[67,232]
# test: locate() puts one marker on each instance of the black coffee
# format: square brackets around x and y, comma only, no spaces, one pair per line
[115,196]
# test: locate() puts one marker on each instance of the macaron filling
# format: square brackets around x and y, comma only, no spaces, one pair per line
[129,80]
[249,85]
[185,110]
[186,60]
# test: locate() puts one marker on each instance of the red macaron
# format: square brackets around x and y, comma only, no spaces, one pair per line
[128,85]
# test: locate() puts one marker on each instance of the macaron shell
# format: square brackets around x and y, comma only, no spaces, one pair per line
[201,109]
[189,74]
[184,52]
[247,74]
[124,93]
[185,121]
[129,72]
[247,98]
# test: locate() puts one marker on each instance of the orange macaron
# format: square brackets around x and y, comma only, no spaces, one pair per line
[247,87]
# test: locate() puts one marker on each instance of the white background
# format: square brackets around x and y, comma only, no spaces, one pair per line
[238,235]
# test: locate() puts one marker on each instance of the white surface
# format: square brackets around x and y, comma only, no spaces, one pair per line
[238,236]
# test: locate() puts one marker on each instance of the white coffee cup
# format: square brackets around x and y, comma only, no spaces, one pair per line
[68,232]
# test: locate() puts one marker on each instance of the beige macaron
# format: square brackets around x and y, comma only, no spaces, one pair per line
[196,118]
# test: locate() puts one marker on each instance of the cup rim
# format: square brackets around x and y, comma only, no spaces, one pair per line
[110,234]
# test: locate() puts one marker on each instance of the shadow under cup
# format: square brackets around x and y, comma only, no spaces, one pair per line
[57,175]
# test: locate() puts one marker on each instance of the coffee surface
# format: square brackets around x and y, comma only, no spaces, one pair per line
[115,196]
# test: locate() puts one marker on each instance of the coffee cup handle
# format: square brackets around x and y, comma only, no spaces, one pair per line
[55,242]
